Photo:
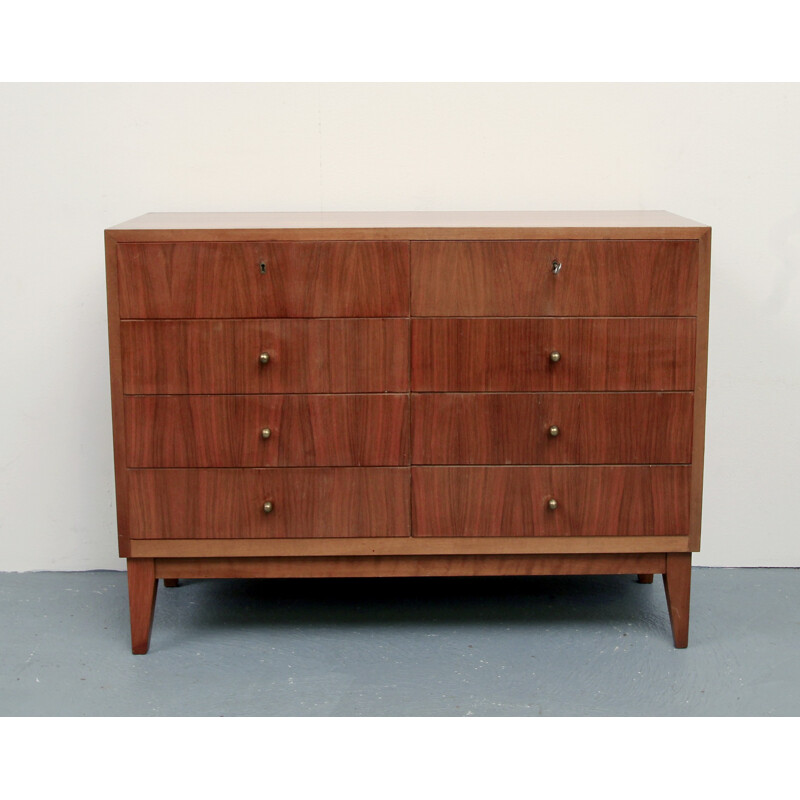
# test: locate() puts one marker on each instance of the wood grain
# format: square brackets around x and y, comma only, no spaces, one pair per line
[600,354]
[513,501]
[594,428]
[305,430]
[410,566]
[406,546]
[263,279]
[307,503]
[516,279]
[142,587]
[222,356]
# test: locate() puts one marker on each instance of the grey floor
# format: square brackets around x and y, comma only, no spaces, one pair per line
[577,646]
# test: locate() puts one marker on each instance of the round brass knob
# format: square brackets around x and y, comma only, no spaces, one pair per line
[554,430]
[264,358]
[266,433]
[267,507]
[552,504]
[555,356]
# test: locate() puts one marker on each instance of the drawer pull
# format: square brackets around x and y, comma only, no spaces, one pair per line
[554,430]
[264,358]
[268,507]
[552,504]
[555,356]
[266,433]
[556,266]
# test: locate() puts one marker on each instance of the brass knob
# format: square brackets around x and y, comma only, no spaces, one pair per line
[268,507]
[264,358]
[554,430]
[266,433]
[555,356]
[552,504]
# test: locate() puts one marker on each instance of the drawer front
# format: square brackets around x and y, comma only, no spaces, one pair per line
[594,428]
[513,501]
[514,355]
[596,278]
[306,503]
[267,431]
[263,279]
[223,356]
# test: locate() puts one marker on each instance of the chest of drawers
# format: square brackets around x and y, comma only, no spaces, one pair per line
[410,394]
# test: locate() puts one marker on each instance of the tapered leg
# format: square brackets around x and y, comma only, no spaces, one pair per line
[142,585]
[171,583]
[645,577]
[677,583]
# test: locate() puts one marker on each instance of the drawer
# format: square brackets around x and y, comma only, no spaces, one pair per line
[306,503]
[513,501]
[224,356]
[592,428]
[263,279]
[596,278]
[301,430]
[514,355]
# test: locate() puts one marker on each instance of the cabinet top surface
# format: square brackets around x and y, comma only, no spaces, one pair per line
[408,225]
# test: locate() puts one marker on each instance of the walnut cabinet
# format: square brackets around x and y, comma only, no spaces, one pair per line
[408,394]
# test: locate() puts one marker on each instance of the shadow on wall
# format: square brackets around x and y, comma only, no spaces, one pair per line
[750,500]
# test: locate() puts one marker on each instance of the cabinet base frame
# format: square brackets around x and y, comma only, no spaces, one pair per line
[405,546]
[143,575]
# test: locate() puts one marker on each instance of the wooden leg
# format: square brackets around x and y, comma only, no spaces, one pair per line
[171,583]
[677,583]
[142,585]
[645,577]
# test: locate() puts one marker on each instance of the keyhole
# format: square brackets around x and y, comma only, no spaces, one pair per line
[263,267]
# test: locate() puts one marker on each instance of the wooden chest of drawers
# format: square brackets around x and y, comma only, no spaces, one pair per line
[508,393]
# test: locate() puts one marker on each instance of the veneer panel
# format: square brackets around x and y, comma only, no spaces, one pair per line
[592,428]
[514,355]
[518,279]
[513,501]
[263,279]
[306,503]
[222,356]
[304,430]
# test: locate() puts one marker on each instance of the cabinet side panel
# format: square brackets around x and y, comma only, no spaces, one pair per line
[701,377]
[117,407]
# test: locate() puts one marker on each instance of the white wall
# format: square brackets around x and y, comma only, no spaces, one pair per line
[77,158]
